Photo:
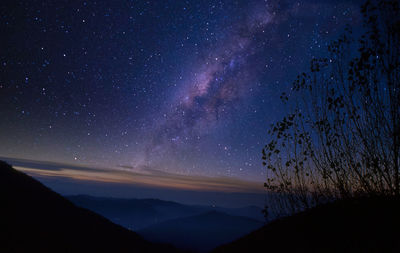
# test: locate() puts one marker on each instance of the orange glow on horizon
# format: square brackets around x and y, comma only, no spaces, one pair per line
[151,178]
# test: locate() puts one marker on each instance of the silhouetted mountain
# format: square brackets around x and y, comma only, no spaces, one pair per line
[201,232]
[137,214]
[362,225]
[35,219]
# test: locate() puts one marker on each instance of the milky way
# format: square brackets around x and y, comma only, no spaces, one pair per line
[179,86]
[219,82]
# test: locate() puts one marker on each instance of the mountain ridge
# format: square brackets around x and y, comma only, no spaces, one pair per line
[36,219]
[136,214]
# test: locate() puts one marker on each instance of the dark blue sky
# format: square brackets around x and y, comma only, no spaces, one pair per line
[180,87]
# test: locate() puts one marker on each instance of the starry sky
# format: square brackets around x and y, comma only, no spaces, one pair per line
[168,88]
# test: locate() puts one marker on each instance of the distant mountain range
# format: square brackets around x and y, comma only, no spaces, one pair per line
[33,218]
[137,214]
[195,228]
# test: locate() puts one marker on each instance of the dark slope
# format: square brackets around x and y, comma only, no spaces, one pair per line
[364,225]
[201,232]
[35,219]
[137,214]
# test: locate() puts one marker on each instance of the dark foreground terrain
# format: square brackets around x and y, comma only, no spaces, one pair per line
[363,225]
[201,233]
[35,219]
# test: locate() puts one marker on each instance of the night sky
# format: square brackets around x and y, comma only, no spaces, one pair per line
[184,88]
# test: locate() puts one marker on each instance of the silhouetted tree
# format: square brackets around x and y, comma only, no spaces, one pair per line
[342,137]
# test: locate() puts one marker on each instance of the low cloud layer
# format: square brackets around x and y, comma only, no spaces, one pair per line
[139,176]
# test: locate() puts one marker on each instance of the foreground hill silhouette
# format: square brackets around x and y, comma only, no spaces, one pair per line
[201,233]
[362,225]
[35,219]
